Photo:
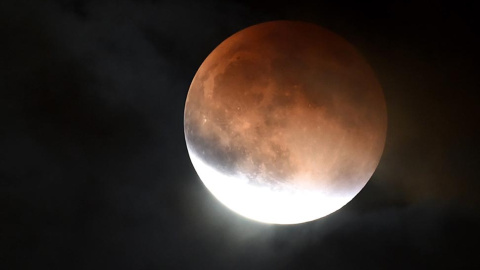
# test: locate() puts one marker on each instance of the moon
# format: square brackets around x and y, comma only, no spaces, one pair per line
[285,122]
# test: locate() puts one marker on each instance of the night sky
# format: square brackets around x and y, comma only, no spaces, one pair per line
[94,170]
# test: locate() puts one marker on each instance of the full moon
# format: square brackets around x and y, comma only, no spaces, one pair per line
[285,122]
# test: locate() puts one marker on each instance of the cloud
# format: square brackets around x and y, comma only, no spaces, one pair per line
[424,235]
[95,174]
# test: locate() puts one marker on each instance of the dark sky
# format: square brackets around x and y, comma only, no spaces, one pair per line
[94,170]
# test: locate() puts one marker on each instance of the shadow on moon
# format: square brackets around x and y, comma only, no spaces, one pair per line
[286,107]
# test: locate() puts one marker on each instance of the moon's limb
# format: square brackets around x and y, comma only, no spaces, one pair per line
[289,107]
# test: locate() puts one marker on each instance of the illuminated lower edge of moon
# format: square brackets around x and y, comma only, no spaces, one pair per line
[264,204]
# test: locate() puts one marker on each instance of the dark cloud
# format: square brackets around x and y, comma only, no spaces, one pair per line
[94,172]
[396,238]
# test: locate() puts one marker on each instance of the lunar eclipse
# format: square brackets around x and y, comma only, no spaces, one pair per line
[285,122]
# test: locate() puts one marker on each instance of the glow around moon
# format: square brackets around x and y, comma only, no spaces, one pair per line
[285,122]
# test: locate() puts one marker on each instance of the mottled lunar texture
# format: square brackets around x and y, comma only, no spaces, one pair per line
[285,122]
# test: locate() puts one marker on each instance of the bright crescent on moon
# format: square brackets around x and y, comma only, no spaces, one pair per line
[285,122]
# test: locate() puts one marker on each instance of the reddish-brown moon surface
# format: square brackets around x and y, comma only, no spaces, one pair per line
[285,122]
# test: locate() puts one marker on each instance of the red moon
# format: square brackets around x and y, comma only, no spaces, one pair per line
[285,122]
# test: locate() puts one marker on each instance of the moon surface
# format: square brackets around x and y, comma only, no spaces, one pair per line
[285,122]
